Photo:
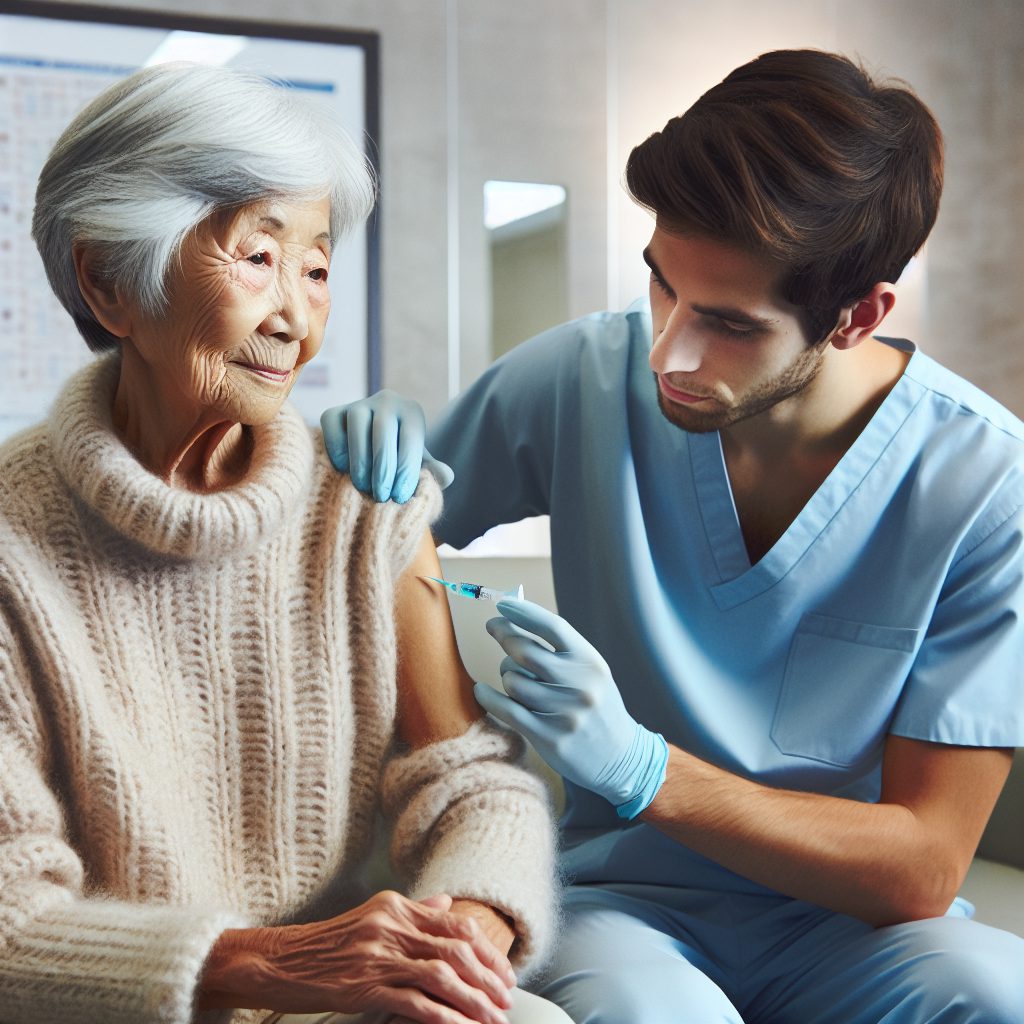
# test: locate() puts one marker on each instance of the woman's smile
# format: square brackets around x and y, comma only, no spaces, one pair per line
[269,373]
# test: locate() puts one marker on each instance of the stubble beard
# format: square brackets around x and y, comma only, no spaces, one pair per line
[790,381]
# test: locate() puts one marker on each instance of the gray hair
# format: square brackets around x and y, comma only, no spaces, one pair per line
[157,153]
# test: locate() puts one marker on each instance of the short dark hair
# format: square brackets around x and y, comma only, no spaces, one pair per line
[800,156]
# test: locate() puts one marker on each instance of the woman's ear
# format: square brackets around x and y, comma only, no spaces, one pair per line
[103,298]
[860,320]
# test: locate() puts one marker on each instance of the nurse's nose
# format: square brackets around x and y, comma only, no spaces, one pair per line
[678,347]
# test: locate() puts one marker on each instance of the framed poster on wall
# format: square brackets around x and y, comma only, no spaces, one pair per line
[54,58]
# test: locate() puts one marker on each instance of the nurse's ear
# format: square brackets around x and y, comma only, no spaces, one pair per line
[861,320]
[112,311]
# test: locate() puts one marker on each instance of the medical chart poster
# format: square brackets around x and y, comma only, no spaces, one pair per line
[54,59]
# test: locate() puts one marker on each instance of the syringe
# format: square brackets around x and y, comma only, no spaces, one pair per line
[476,591]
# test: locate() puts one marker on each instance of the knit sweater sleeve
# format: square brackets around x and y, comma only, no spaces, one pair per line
[67,955]
[470,820]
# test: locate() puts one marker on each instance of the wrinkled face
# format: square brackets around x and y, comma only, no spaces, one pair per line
[726,346]
[248,302]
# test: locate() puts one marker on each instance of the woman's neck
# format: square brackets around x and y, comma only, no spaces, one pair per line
[184,445]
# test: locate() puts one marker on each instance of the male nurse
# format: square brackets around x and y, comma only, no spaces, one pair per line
[787,675]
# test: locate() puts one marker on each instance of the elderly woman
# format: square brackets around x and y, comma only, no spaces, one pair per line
[217,663]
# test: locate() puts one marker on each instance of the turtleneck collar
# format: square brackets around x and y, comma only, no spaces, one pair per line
[168,520]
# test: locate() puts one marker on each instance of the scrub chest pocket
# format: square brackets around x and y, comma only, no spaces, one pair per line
[842,683]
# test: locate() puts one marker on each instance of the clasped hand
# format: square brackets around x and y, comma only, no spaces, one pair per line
[560,695]
[414,961]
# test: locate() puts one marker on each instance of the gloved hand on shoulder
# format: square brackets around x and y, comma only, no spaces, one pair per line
[380,442]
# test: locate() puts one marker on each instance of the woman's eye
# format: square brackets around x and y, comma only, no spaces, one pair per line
[318,274]
[261,259]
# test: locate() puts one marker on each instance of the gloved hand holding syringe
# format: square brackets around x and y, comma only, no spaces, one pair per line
[558,692]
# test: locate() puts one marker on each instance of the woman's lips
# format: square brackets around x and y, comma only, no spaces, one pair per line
[674,395]
[267,372]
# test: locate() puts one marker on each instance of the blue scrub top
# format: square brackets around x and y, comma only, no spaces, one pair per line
[891,605]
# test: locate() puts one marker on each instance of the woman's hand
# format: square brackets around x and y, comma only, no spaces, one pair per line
[417,960]
[496,926]
[493,924]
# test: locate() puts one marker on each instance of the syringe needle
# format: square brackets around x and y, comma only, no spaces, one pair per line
[476,591]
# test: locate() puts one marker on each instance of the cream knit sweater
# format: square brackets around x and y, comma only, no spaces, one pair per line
[197,709]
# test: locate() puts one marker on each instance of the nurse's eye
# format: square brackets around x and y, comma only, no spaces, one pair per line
[732,330]
[662,284]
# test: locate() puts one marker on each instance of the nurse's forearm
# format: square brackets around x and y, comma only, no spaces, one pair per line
[877,862]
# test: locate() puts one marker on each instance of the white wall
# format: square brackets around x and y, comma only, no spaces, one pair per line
[532,84]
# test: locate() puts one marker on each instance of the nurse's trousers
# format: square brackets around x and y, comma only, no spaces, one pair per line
[526,1009]
[640,954]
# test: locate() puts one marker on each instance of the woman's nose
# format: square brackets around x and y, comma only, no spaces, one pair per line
[289,321]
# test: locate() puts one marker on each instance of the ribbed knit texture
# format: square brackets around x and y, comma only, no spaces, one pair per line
[454,803]
[197,703]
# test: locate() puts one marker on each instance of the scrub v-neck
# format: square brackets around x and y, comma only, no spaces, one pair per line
[738,580]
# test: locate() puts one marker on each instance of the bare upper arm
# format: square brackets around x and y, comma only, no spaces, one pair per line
[435,692]
[951,790]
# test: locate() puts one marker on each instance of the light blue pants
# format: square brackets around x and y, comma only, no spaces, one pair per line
[526,1009]
[636,954]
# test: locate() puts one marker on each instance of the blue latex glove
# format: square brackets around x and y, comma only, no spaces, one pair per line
[379,442]
[565,702]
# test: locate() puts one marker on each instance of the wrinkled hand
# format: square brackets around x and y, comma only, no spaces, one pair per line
[565,702]
[390,956]
[379,442]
